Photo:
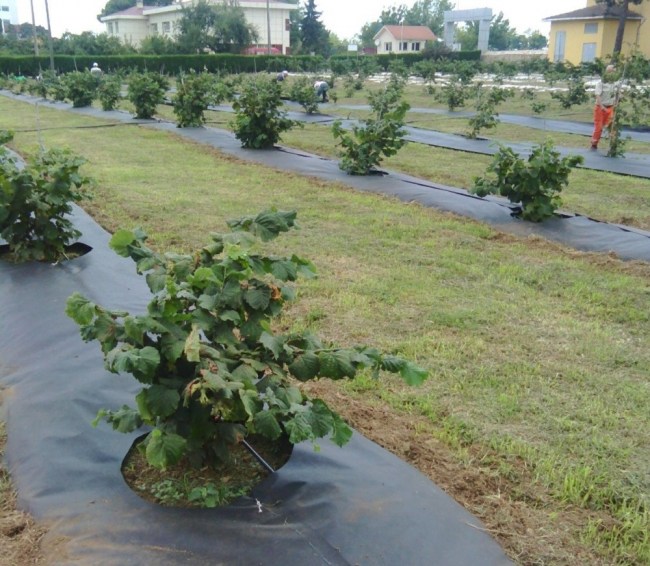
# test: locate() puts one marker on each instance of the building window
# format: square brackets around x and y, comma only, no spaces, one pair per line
[166,27]
[415,46]
[588,52]
[388,46]
[153,28]
[117,27]
[403,46]
[591,28]
[5,8]
[109,25]
[287,25]
[560,43]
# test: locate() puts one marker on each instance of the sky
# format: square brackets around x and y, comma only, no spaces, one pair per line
[343,17]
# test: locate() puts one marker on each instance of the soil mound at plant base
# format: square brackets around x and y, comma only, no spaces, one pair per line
[339,506]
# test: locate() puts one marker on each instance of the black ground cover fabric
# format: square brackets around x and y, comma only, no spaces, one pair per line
[535,122]
[356,505]
[576,231]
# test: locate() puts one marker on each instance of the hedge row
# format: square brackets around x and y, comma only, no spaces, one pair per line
[225,63]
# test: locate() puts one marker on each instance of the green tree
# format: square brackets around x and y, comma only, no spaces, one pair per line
[159,45]
[88,43]
[625,9]
[502,36]
[430,13]
[113,6]
[313,34]
[221,27]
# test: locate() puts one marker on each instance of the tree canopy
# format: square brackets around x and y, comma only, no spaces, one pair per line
[313,35]
[502,36]
[214,27]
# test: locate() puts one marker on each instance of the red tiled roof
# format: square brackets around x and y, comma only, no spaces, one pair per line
[408,33]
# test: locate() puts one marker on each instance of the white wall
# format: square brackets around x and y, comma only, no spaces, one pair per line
[9,11]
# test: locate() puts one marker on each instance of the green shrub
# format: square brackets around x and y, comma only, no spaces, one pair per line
[109,91]
[146,92]
[35,202]
[80,88]
[575,95]
[486,116]
[302,91]
[454,94]
[194,93]
[259,117]
[211,365]
[535,184]
[381,135]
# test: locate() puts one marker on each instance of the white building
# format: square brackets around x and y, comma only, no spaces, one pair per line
[402,39]
[8,14]
[135,24]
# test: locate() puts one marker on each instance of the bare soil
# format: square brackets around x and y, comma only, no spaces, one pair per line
[173,486]
[20,536]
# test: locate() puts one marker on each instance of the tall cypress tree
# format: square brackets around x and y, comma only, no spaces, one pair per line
[313,34]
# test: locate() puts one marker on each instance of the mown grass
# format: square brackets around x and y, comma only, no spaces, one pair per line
[538,354]
[604,196]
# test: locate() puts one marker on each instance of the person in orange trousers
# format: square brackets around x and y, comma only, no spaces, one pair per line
[606,99]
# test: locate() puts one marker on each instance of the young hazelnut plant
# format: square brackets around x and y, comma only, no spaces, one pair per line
[535,184]
[35,202]
[381,135]
[212,367]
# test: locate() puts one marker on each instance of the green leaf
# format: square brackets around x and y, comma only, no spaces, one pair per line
[412,374]
[258,298]
[142,363]
[267,425]
[341,433]
[143,407]
[160,401]
[193,345]
[121,241]
[299,428]
[305,367]
[80,309]
[244,372]
[392,364]
[272,343]
[156,280]
[164,449]
[320,418]
[251,402]
[337,364]
[125,420]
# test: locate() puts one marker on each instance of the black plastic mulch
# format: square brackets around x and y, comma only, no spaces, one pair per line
[356,505]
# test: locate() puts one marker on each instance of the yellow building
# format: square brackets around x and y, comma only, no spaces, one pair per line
[583,35]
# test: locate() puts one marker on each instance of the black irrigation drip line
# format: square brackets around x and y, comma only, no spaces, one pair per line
[30,130]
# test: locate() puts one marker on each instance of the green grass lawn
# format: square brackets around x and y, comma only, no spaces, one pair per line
[538,354]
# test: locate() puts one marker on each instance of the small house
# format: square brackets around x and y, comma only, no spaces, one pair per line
[402,39]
